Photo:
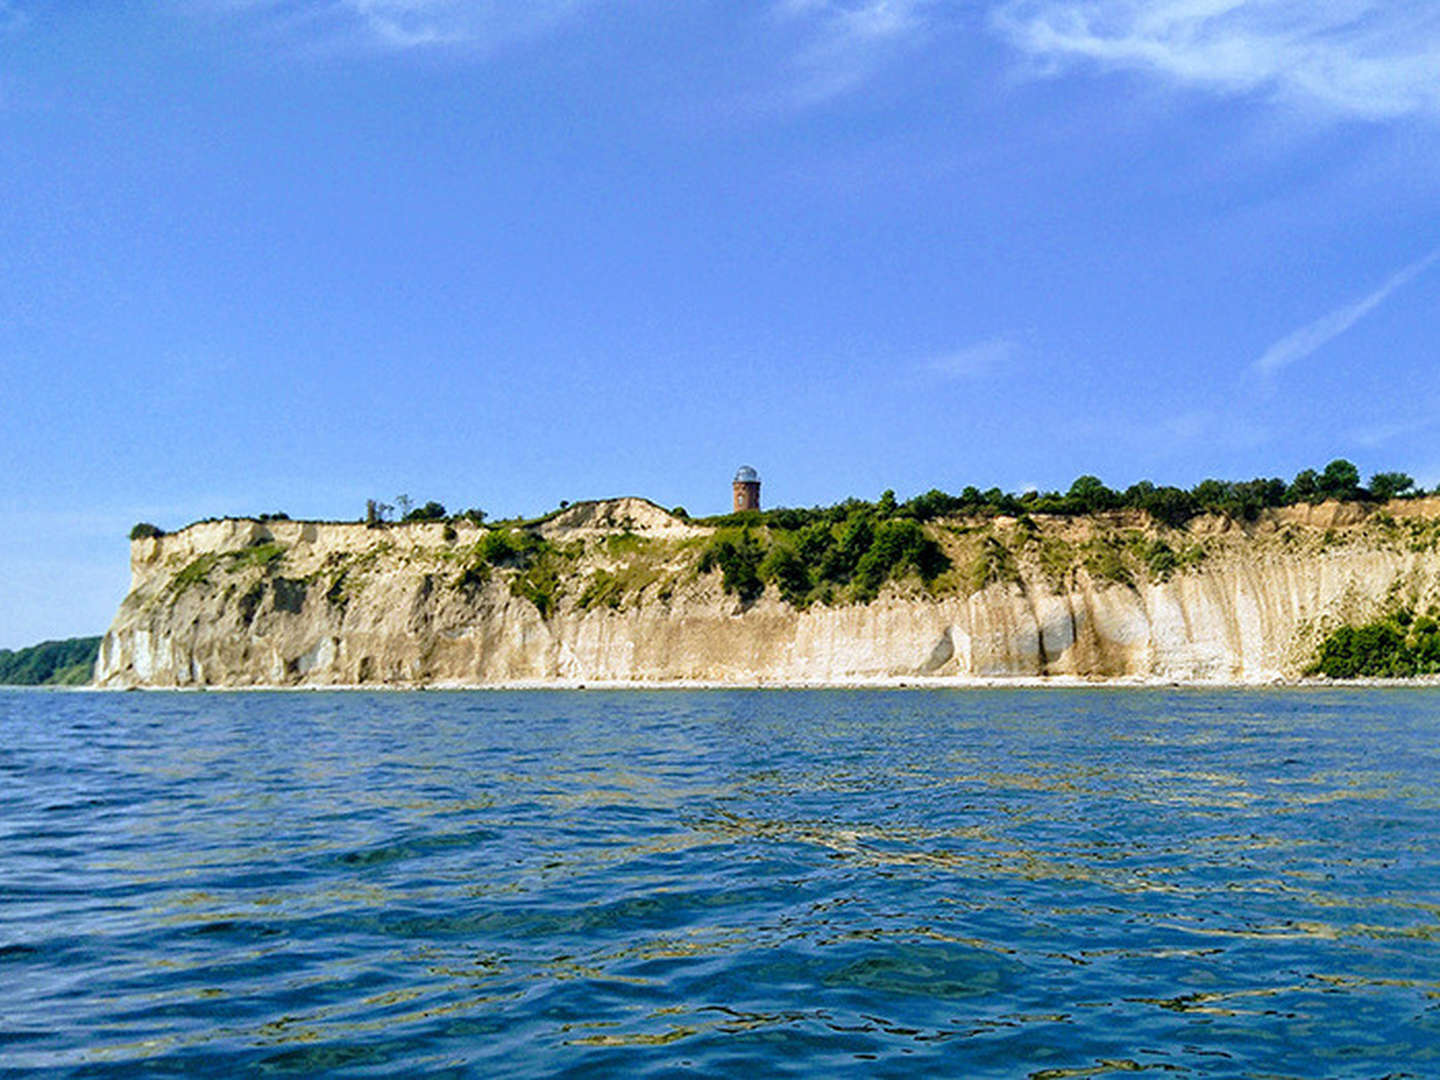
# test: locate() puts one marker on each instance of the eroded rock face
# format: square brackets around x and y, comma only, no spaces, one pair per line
[241,603]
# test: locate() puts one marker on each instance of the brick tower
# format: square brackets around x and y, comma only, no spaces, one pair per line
[747,489]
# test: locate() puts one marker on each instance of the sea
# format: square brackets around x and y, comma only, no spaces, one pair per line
[1016,883]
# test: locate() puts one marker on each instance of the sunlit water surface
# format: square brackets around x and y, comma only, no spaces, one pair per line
[1038,883]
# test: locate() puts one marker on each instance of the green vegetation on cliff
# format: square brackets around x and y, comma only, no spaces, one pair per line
[1242,500]
[822,560]
[51,663]
[1399,645]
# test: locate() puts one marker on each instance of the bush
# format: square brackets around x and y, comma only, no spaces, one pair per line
[899,546]
[739,562]
[431,511]
[540,584]
[145,531]
[1161,560]
[787,568]
[504,547]
[1395,646]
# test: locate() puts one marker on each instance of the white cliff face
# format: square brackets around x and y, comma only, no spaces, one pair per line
[239,603]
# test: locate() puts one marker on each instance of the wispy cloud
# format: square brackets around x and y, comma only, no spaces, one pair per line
[1368,58]
[850,41]
[409,24]
[974,361]
[1307,339]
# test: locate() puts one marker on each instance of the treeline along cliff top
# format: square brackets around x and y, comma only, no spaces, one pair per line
[1240,499]
[1225,580]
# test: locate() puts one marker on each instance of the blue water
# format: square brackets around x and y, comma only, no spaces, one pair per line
[1037,884]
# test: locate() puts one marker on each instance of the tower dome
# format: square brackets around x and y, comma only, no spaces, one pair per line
[746,489]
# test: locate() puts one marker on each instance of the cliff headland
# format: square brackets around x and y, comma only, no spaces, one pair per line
[624,591]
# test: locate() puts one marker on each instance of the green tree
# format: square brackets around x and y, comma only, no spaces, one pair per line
[143,530]
[739,563]
[431,511]
[1089,495]
[1390,485]
[785,566]
[1304,488]
[1340,480]
[1169,505]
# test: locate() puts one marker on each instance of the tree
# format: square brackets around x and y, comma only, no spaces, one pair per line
[1304,488]
[787,569]
[431,511]
[145,531]
[404,502]
[1340,480]
[1088,495]
[1390,485]
[1211,495]
[1168,505]
[739,563]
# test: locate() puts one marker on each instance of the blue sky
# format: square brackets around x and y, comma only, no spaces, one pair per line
[270,255]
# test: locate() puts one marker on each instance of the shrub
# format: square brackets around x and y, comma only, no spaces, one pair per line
[1105,560]
[144,531]
[899,545]
[475,575]
[504,547]
[992,563]
[786,567]
[431,511]
[1394,646]
[540,584]
[263,554]
[1161,560]
[739,562]
[603,588]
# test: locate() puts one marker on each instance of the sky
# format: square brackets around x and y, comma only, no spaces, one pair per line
[287,255]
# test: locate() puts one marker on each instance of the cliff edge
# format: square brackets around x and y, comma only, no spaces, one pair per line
[621,590]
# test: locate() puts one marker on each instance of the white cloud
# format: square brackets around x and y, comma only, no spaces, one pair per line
[973,361]
[849,40]
[1307,339]
[1367,58]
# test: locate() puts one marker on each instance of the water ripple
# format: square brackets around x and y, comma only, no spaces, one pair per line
[1037,884]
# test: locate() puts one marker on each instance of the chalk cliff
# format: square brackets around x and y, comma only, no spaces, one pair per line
[620,595]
